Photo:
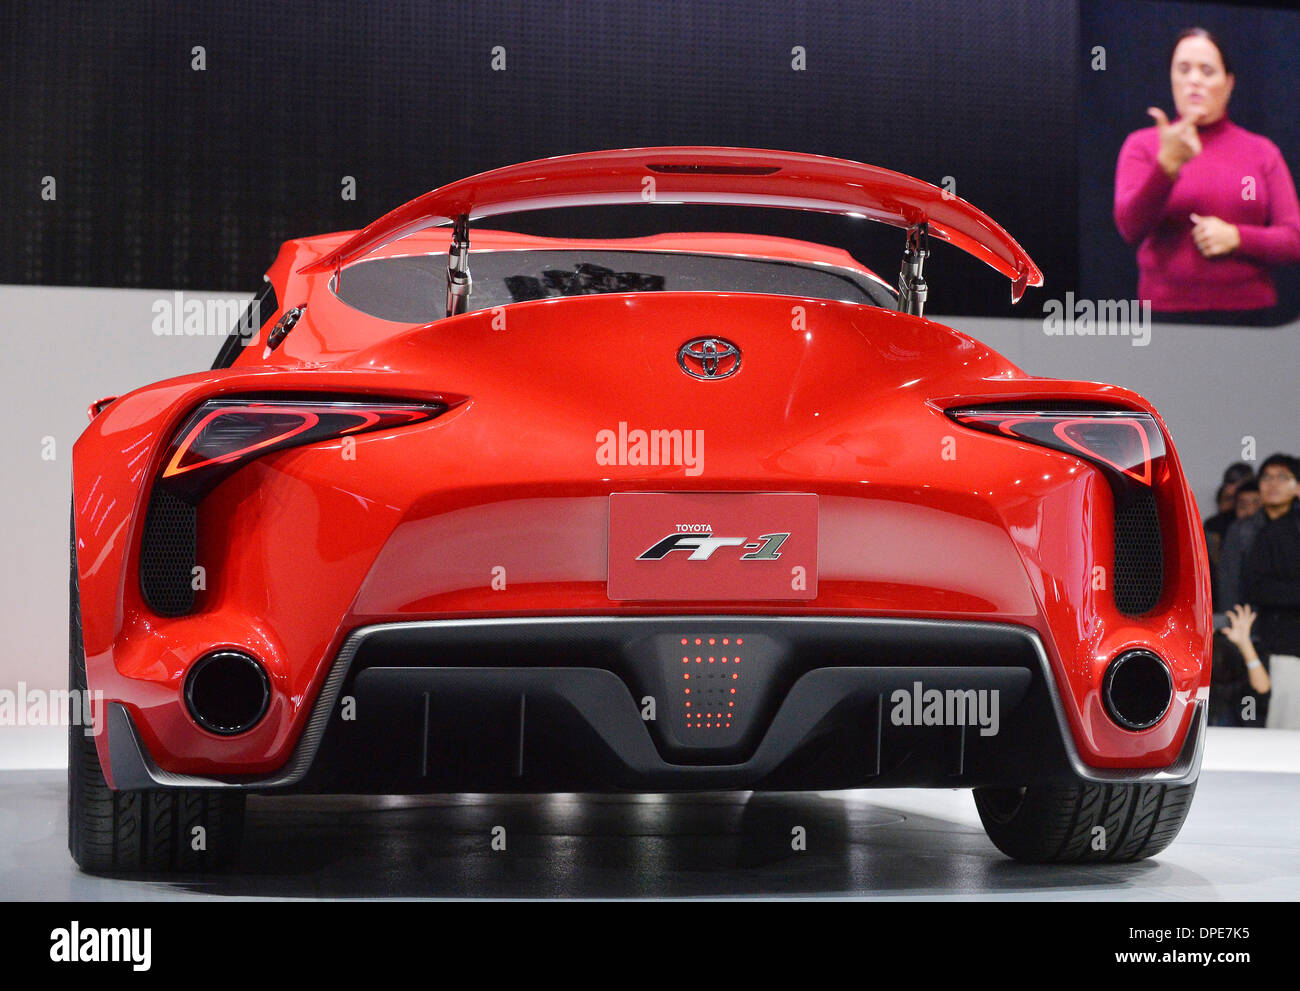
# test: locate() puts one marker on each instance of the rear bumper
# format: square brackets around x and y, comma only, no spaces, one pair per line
[600,704]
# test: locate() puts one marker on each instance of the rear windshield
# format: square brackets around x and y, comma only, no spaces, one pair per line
[413,289]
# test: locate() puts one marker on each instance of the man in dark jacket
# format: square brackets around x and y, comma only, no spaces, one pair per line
[1281,492]
[1271,583]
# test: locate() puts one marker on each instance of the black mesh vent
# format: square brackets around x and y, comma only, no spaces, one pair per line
[1139,556]
[167,555]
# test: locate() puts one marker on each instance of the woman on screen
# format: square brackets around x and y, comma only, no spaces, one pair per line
[1210,206]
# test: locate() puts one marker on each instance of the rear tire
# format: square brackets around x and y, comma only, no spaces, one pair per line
[1112,823]
[138,831]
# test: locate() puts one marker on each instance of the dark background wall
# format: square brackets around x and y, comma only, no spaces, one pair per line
[170,177]
[1264,47]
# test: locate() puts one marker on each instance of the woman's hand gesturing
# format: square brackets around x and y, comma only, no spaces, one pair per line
[1240,619]
[1179,141]
[1214,237]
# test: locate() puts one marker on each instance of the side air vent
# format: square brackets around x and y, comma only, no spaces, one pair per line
[1139,556]
[167,554]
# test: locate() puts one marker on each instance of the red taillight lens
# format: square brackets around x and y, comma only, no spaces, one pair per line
[221,435]
[1126,445]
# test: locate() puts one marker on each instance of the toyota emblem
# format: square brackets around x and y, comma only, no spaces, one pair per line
[709,358]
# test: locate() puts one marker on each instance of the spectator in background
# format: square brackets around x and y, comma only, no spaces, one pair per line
[1248,500]
[1225,498]
[1236,472]
[1205,252]
[1271,583]
[1275,496]
[1233,476]
[1246,503]
[1232,681]
[1237,673]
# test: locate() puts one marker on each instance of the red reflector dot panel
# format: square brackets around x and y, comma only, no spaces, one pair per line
[708,700]
[703,713]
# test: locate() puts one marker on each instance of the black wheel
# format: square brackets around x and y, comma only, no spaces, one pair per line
[138,831]
[1084,822]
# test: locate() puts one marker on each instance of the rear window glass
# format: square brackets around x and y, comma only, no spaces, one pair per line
[413,289]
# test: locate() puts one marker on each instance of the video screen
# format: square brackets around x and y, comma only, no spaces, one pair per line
[1188,143]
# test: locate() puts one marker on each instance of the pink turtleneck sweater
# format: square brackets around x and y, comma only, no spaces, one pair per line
[1153,212]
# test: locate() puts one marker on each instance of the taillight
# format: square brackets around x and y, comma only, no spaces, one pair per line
[1126,445]
[1129,449]
[223,434]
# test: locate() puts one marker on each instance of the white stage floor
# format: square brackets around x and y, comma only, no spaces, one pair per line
[1240,842]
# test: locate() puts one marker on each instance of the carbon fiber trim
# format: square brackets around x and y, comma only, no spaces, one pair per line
[132,764]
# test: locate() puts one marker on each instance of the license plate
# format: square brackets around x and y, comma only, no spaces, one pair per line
[728,546]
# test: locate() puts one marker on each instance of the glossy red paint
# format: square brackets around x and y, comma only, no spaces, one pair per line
[303,545]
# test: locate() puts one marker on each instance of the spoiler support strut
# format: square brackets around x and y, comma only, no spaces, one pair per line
[912,288]
[459,282]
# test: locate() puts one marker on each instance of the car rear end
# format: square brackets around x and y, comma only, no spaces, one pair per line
[462,599]
[596,526]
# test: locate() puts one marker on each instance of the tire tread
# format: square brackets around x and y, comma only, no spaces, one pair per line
[137,831]
[1056,824]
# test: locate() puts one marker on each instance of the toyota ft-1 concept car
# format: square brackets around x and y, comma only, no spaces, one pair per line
[687,512]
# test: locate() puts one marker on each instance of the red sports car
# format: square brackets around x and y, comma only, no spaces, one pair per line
[673,513]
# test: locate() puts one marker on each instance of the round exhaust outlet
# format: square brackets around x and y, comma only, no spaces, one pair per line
[1138,689]
[227,692]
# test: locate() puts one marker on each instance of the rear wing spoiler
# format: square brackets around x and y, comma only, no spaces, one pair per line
[703,176]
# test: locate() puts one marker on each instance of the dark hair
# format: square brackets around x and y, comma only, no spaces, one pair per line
[1249,485]
[1282,461]
[1236,471]
[1201,33]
